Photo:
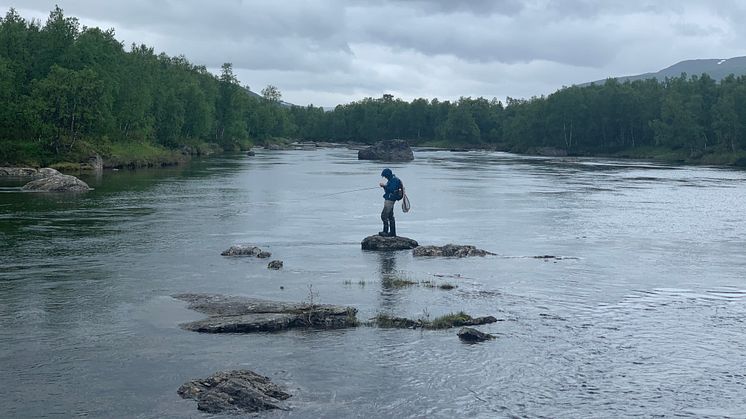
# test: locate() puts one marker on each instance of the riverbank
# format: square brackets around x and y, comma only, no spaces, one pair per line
[132,155]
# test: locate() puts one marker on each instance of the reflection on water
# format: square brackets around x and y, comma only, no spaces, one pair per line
[644,314]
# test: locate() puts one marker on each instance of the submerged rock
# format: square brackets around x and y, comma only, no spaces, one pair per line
[377,242]
[246,315]
[467,334]
[54,181]
[443,322]
[242,250]
[263,255]
[450,250]
[275,264]
[239,391]
[387,150]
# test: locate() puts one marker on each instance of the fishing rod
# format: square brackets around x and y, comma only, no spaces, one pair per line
[354,190]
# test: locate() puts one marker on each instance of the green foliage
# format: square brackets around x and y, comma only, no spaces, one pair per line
[62,85]
[132,154]
[450,320]
[67,90]
[691,119]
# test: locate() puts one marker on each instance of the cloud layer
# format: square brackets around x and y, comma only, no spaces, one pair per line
[337,51]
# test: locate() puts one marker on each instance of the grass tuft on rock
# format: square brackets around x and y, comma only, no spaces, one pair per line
[450,320]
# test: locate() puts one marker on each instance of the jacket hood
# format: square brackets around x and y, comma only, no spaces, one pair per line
[387,173]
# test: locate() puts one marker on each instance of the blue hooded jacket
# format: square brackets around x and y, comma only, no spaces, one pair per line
[392,186]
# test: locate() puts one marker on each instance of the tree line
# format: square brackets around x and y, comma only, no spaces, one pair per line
[67,90]
[72,90]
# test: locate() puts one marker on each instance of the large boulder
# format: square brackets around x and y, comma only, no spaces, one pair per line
[235,392]
[246,315]
[450,250]
[54,181]
[387,150]
[377,242]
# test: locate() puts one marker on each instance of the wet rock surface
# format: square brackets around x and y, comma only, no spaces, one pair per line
[387,150]
[236,392]
[450,250]
[245,250]
[468,334]
[275,264]
[377,242]
[444,322]
[19,172]
[56,182]
[231,314]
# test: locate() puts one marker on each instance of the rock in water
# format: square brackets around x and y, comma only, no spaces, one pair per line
[242,250]
[247,315]
[450,250]
[275,264]
[387,150]
[377,242]
[28,172]
[467,334]
[240,391]
[56,182]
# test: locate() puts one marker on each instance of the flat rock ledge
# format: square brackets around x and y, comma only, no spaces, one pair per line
[450,250]
[229,314]
[377,242]
[444,322]
[235,392]
[470,335]
[246,250]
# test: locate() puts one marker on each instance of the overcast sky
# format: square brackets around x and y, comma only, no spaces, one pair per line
[338,51]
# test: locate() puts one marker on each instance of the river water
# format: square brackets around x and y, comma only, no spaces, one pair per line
[643,313]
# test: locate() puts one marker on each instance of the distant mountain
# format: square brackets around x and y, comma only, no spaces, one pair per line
[716,68]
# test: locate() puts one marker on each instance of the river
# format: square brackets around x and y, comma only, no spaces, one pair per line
[642,313]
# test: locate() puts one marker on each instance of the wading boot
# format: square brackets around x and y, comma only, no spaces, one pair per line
[392,223]
[385,232]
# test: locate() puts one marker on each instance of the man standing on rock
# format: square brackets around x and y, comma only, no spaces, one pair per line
[393,191]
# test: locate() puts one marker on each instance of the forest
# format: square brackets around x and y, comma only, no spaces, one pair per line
[68,92]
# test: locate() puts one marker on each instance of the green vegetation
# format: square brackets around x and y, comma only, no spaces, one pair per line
[443,322]
[688,119]
[398,282]
[392,281]
[68,92]
[451,320]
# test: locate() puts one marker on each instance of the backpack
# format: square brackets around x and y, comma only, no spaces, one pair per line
[400,191]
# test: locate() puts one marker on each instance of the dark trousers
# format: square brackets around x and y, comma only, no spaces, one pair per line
[387,216]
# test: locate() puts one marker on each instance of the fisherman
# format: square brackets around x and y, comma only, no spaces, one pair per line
[393,191]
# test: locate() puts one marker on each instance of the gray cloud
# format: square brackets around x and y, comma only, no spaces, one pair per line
[324,52]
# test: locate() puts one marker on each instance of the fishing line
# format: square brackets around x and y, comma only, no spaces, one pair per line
[354,190]
[305,200]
